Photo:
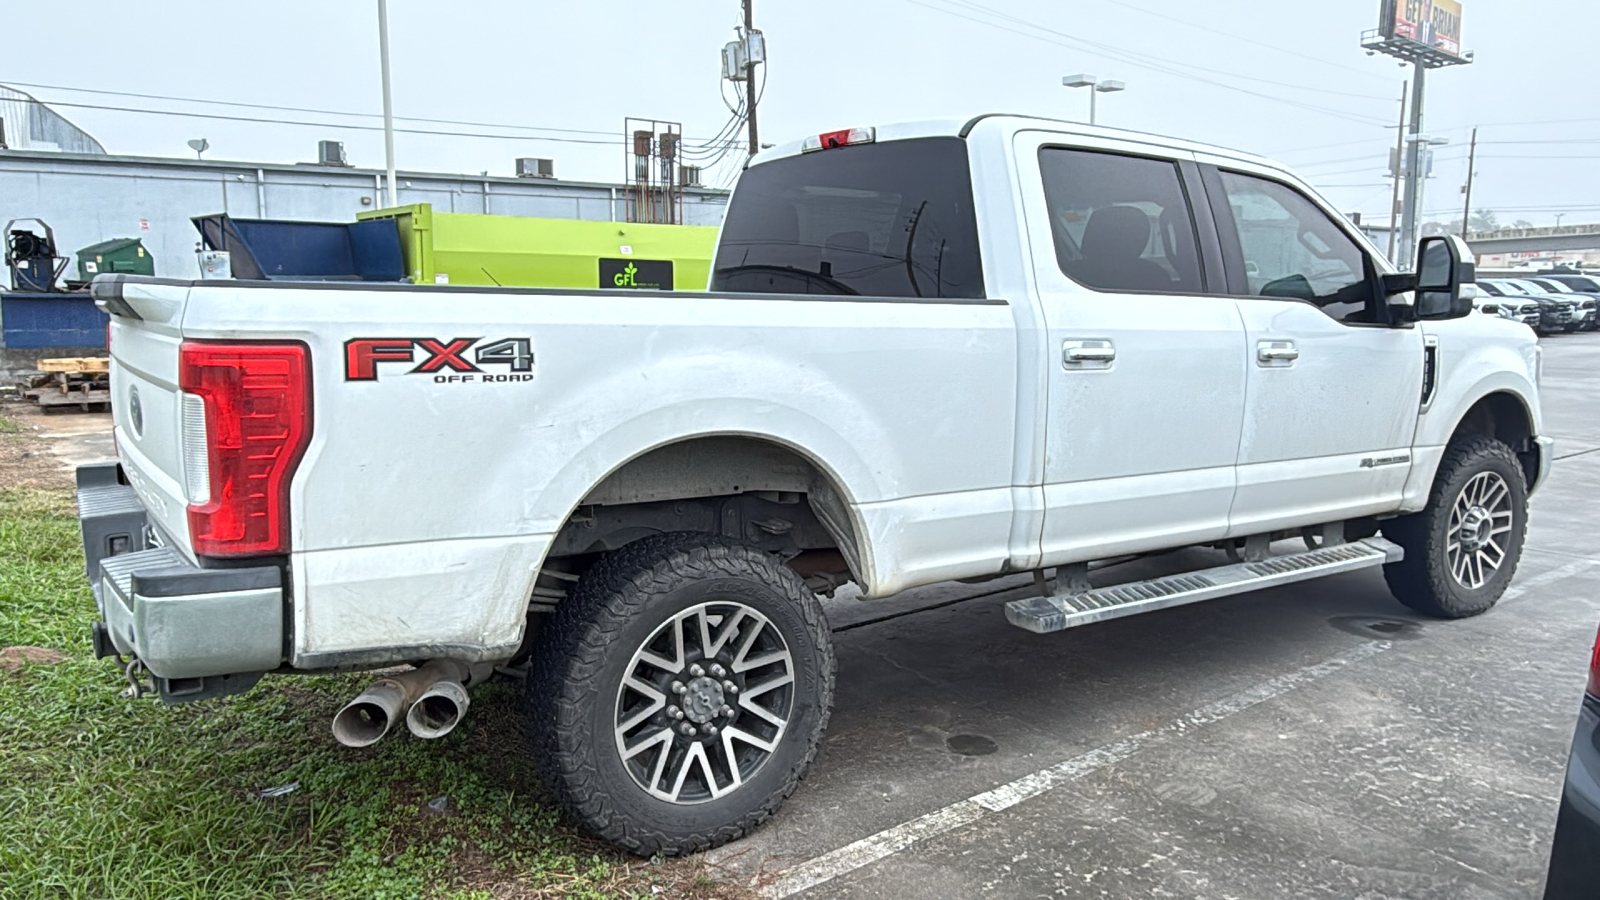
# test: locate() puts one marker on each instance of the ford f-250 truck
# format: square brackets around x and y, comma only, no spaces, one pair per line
[932,351]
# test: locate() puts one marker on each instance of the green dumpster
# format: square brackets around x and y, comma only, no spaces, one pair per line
[477,249]
[125,255]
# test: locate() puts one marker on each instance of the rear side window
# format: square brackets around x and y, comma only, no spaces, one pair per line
[1120,223]
[882,220]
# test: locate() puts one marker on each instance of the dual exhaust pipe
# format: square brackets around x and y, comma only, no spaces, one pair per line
[432,698]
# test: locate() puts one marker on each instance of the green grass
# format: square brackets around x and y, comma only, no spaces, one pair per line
[105,797]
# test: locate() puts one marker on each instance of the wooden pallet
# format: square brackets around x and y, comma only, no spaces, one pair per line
[76,364]
[82,388]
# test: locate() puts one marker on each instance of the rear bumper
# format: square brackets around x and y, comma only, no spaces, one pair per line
[200,632]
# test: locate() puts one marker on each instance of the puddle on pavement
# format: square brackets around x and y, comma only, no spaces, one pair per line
[970,745]
[1378,628]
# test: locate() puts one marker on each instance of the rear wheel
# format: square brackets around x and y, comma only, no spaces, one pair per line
[678,695]
[1463,548]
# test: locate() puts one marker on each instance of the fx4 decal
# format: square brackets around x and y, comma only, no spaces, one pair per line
[446,361]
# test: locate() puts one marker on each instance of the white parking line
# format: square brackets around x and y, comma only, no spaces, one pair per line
[1543,578]
[870,849]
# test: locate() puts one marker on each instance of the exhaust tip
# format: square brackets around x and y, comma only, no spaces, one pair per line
[367,718]
[437,712]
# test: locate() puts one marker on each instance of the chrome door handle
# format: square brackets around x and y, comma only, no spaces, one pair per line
[1077,352]
[1276,351]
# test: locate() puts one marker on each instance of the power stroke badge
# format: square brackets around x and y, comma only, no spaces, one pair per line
[456,361]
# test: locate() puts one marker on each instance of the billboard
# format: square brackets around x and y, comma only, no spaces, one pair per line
[1433,23]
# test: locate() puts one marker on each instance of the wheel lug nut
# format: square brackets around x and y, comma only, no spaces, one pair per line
[730,687]
[678,688]
[696,671]
[708,728]
[674,713]
[717,671]
[686,728]
[727,711]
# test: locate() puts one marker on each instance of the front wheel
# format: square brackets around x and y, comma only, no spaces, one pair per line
[678,695]
[1462,549]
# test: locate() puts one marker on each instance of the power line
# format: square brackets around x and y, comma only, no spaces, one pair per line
[1128,57]
[1228,34]
[338,125]
[978,7]
[297,109]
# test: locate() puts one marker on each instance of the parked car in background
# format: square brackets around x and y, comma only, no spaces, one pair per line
[1555,314]
[1517,309]
[1588,300]
[1565,296]
[1574,280]
[1575,853]
[1562,295]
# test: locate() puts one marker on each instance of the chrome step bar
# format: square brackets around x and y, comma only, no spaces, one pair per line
[1044,615]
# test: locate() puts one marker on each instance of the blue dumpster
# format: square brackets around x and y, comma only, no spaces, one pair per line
[32,320]
[279,250]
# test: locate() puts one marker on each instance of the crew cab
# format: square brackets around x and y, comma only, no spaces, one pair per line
[954,349]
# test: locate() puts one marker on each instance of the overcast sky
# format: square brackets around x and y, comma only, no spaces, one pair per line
[1286,78]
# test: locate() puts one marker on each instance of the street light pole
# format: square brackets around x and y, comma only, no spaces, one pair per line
[1472,162]
[1095,86]
[1409,210]
[1399,155]
[388,105]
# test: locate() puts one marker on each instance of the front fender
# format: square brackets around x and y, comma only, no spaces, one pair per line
[1470,369]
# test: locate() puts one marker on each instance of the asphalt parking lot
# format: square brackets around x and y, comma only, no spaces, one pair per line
[1315,740]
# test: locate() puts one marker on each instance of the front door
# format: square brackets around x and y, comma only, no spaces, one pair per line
[1144,369]
[1334,391]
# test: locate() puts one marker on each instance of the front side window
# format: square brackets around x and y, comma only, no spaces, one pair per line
[1120,223]
[1293,250]
[894,219]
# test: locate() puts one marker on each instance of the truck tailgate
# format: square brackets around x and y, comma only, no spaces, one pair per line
[146,404]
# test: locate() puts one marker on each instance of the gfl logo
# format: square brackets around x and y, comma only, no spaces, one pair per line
[625,277]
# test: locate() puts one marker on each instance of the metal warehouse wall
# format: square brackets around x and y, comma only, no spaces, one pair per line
[91,198]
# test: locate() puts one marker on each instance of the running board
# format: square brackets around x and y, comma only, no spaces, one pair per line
[1043,615]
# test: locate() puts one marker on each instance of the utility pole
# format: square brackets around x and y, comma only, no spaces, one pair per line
[1399,155]
[388,106]
[1411,210]
[1472,161]
[750,75]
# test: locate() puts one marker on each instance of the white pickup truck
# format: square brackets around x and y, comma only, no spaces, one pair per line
[931,351]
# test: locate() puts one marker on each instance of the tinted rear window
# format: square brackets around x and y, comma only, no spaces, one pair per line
[883,220]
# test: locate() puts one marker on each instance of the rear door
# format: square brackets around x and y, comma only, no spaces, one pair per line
[1334,391]
[1145,372]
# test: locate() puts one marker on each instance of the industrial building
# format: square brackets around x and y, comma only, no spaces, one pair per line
[93,197]
[56,173]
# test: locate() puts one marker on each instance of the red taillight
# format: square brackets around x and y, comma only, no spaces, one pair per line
[257,400]
[1594,669]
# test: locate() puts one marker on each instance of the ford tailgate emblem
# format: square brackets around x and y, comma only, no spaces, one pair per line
[135,411]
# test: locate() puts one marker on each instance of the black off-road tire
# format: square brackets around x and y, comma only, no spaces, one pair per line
[587,647]
[1423,581]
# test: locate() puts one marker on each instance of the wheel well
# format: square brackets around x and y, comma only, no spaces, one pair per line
[749,489]
[1505,418]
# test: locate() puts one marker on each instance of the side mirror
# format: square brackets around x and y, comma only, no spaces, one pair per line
[1446,272]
